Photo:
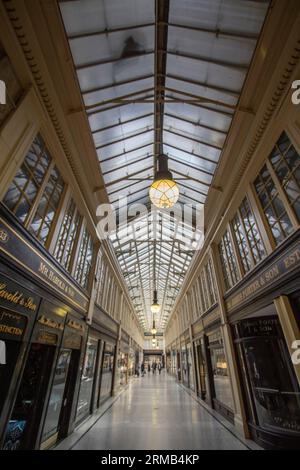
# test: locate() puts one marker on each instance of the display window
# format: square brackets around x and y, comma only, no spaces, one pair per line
[190,366]
[23,425]
[107,372]
[222,385]
[87,380]
[270,383]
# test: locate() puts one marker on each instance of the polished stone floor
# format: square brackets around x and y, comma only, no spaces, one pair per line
[155,413]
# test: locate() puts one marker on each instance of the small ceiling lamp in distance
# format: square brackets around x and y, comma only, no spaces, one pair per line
[154,330]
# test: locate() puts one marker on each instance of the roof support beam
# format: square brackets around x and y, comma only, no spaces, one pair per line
[124,187]
[124,178]
[201,99]
[216,32]
[113,142]
[117,99]
[124,153]
[106,32]
[117,84]
[201,142]
[196,124]
[171,99]
[124,166]
[189,188]
[227,91]
[192,167]
[191,178]
[123,103]
[206,159]
[112,60]
[121,123]
[208,60]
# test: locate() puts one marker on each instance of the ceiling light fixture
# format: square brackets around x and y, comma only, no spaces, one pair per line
[155,307]
[154,330]
[164,191]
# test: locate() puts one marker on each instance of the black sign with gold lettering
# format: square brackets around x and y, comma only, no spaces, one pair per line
[14,245]
[256,327]
[13,296]
[286,263]
[12,325]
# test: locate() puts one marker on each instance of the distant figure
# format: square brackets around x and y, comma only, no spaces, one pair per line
[143,369]
[149,368]
[153,367]
[159,368]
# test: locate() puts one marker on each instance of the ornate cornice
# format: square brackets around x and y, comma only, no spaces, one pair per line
[39,79]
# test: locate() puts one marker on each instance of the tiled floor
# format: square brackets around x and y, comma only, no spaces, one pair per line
[155,413]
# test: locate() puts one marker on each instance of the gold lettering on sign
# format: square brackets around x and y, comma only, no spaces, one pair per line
[3,236]
[11,330]
[17,298]
[292,259]
[51,323]
[56,280]
[75,325]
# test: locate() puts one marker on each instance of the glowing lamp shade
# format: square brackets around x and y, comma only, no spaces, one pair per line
[164,193]
[155,307]
[154,331]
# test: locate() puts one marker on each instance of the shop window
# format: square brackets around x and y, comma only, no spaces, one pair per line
[228,261]
[87,380]
[210,283]
[47,207]
[84,260]
[107,373]
[248,238]
[285,161]
[222,385]
[66,242]
[23,191]
[271,202]
[13,88]
[35,192]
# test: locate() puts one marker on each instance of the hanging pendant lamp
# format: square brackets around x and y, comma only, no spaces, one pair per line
[154,330]
[155,307]
[164,191]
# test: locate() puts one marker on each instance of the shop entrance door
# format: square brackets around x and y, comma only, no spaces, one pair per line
[61,398]
[23,426]
[272,391]
[202,372]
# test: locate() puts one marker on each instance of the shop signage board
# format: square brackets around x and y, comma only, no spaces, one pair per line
[285,264]
[17,248]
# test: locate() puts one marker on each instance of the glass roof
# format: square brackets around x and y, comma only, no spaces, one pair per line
[207,52]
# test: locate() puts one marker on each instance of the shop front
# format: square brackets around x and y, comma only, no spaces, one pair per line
[107,372]
[18,310]
[122,362]
[202,367]
[38,305]
[221,387]
[189,359]
[61,408]
[270,384]
[264,313]
[101,357]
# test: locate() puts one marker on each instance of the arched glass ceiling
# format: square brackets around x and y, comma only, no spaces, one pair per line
[169,74]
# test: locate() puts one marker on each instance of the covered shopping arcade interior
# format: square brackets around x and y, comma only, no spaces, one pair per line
[149,224]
